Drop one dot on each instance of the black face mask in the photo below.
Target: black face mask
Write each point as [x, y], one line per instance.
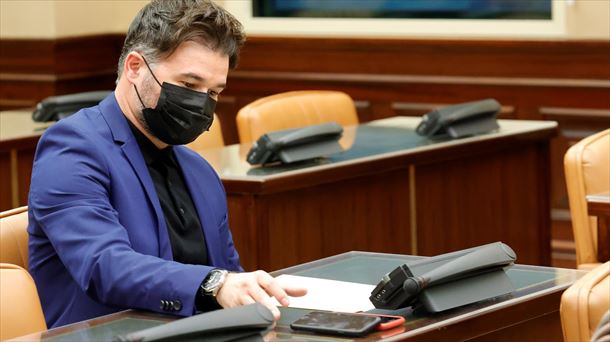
[181, 114]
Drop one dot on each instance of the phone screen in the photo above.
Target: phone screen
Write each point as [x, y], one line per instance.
[336, 323]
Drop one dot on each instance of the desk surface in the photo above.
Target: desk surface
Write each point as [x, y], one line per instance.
[15, 125]
[379, 139]
[599, 204]
[531, 283]
[393, 182]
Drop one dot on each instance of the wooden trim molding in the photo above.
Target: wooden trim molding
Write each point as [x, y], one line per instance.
[434, 79]
[555, 112]
[569, 59]
[32, 69]
[60, 56]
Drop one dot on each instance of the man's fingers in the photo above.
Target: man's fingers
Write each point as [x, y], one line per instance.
[262, 297]
[266, 301]
[246, 300]
[295, 291]
[258, 294]
[271, 306]
[273, 288]
[259, 286]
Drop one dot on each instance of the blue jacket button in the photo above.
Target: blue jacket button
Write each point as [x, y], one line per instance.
[177, 305]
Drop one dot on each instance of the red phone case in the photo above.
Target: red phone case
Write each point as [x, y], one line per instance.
[394, 322]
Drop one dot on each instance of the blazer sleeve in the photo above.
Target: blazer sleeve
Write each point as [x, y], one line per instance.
[70, 202]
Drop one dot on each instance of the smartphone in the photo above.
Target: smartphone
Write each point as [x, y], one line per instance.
[337, 323]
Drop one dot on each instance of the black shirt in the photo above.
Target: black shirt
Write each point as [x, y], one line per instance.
[183, 225]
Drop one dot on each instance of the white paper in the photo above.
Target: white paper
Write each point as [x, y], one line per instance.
[329, 295]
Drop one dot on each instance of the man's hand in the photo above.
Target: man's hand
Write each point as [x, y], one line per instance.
[259, 286]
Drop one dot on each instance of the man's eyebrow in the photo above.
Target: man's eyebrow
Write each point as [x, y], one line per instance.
[201, 79]
[193, 76]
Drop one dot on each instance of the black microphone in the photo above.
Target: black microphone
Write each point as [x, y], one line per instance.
[220, 325]
[400, 288]
[485, 258]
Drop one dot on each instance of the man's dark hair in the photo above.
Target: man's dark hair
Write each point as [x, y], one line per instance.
[162, 25]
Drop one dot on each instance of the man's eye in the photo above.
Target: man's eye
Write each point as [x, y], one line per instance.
[188, 85]
[213, 93]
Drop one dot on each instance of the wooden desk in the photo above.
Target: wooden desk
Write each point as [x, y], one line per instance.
[599, 205]
[394, 192]
[18, 138]
[530, 313]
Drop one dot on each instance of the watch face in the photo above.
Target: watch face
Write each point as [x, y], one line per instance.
[213, 281]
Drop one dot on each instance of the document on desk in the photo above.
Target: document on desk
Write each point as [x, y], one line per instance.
[329, 295]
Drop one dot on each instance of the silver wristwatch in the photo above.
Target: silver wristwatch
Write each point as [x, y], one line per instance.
[213, 282]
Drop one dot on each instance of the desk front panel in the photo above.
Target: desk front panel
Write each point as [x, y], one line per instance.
[393, 191]
[530, 313]
[18, 138]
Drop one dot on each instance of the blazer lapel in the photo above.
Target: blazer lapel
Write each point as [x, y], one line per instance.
[203, 207]
[123, 136]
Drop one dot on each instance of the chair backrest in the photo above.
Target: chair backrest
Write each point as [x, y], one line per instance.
[584, 304]
[292, 110]
[602, 333]
[587, 171]
[19, 303]
[210, 139]
[14, 237]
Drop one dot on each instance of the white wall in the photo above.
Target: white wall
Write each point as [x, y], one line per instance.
[65, 18]
[588, 19]
[27, 19]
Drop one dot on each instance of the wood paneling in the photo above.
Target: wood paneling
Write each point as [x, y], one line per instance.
[285, 228]
[25, 159]
[567, 81]
[32, 69]
[444, 189]
[493, 58]
[6, 198]
[15, 173]
[424, 202]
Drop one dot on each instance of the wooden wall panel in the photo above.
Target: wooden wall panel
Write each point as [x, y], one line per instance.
[386, 77]
[6, 193]
[450, 57]
[296, 226]
[241, 220]
[15, 172]
[499, 187]
[25, 160]
[32, 69]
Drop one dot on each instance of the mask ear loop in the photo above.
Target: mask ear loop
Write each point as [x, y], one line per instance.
[153, 75]
[151, 72]
[139, 98]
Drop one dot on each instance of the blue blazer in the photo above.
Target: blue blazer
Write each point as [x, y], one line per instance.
[98, 240]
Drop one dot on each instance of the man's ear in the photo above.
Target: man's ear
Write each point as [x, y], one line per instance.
[133, 67]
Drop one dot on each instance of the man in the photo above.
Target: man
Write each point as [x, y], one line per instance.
[119, 217]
